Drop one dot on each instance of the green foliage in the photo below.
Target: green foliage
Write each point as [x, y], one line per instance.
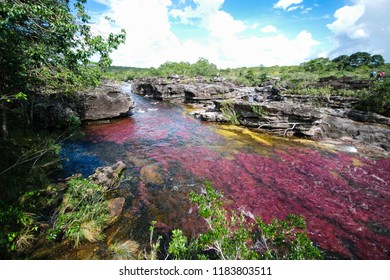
[227, 109]
[320, 65]
[324, 92]
[178, 246]
[128, 250]
[15, 225]
[82, 213]
[154, 246]
[204, 68]
[259, 110]
[377, 98]
[342, 62]
[377, 60]
[232, 236]
[285, 239]
[27, 161]
[358, 59]
[57, 45]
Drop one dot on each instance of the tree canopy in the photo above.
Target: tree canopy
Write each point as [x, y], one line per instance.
[358, 59]
[49, 44]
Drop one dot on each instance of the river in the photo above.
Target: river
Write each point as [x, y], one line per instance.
[344, 196]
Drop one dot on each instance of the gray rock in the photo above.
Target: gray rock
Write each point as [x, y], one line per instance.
[108, 176]
[315, 117]
[105, 102]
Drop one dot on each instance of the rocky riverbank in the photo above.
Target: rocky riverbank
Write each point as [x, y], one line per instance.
[105, 102]
[269, 108]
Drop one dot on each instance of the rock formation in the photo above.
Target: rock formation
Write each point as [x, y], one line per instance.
[267, 108]
[105, 102]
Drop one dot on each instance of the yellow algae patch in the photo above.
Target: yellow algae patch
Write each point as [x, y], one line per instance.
[357, 163]
[234, 131]
[226, 133]
[256, 137]
[231, 127]
[307, 142]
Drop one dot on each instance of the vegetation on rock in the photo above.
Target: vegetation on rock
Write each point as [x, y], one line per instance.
[236, 236]
[83, 212]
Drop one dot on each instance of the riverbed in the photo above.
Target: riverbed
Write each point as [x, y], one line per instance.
[343, 195]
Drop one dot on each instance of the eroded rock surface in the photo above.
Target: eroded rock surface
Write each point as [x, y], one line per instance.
[105, 102]
[108, 176]
[267, 107]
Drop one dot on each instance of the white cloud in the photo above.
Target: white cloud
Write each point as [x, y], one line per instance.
[307, 10]
[346, 18]
[275, 50]
[293, 8]
[362, 26]
[223, 25]
[269, 29]
[284, 4]
[151, 40]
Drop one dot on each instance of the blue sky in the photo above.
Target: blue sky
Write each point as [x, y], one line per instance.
[234, 33]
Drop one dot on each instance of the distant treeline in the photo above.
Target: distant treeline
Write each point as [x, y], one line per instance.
[357, 65]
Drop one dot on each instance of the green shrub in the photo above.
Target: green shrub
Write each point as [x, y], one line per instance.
[17, 229]
[232, 236]
[82, 213]
[377, 99]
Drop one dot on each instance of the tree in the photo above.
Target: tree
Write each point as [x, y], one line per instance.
[360, 59]
[377, 60]
[320, 64]
[204, 68]
[46, 46]
[342, 62]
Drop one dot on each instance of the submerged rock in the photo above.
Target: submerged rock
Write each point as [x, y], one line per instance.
[153, 174]
[115, 206]
[108, 176]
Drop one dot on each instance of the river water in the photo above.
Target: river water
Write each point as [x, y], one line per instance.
[344, 196]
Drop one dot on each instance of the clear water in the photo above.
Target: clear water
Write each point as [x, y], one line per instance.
[344, 197]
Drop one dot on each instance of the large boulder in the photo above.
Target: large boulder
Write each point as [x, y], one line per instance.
[105, 102]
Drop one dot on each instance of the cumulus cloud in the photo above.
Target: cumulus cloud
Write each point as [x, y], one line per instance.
[151, 40]
[362, 26]
[269, 29]
[346, 18]
[274, 50]
[284, 4]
